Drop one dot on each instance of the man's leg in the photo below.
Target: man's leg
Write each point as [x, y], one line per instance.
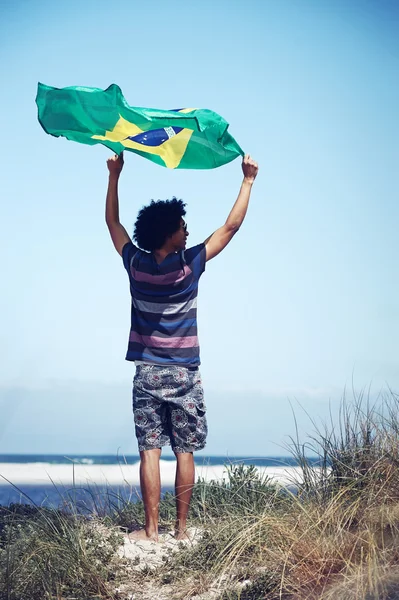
[150, 483]
[185, 477]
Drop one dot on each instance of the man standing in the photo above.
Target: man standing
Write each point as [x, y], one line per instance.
[168, 403]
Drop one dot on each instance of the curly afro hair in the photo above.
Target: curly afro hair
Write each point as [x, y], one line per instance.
[156, 222]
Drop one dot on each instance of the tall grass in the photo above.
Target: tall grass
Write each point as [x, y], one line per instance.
[47, 553]
[336, 538]
[360, 451]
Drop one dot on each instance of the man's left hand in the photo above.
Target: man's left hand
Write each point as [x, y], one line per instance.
[115, 165]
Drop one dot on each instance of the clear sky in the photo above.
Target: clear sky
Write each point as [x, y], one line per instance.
[302, 303]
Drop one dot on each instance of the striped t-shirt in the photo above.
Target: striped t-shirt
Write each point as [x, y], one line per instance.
[164, 305]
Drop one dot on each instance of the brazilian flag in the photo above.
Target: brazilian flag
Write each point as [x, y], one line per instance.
[183, 138]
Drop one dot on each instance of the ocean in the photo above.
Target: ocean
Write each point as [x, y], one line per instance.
[102, 483]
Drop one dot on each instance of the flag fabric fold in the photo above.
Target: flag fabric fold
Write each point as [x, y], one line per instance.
[184, 138]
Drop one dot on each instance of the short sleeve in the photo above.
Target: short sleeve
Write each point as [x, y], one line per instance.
[128, 252]
[195, 258]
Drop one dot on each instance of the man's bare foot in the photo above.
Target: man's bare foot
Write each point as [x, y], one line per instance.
[181, 534]
[141, 535]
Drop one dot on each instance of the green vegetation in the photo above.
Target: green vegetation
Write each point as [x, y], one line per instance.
[50, 554]
[335, 539]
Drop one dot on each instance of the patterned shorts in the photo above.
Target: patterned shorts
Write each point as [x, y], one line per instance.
[168, 408]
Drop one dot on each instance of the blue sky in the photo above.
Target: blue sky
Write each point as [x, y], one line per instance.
[304, 301]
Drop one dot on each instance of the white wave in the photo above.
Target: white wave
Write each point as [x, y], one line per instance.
[86, 474]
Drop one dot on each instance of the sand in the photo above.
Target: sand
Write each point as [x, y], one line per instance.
[144, 553]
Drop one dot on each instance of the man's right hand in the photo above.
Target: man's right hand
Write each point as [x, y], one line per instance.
[249, 168]
[115, 165]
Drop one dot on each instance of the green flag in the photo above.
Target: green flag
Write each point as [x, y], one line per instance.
[184, 138]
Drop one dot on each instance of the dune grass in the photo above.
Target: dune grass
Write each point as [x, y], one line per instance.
[47, 553]
[335, 538]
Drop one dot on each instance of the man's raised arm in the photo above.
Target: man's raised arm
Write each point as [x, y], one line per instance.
[118, 233]
[222, 236]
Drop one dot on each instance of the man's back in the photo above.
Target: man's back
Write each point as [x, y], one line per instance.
[164, 305]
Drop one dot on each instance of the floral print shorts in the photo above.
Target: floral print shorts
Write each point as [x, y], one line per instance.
[168, 408]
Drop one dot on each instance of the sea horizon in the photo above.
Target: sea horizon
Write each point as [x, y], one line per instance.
[115, 459]
[98, 481]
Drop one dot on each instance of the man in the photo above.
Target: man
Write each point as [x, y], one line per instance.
[168, 401]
